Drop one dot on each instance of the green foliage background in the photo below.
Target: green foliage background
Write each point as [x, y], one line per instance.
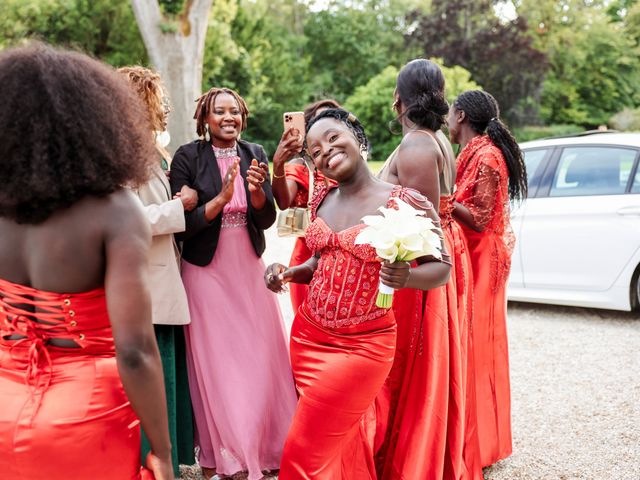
[282, 54]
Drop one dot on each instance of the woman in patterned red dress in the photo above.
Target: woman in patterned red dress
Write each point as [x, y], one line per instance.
[491, 172]
[342, 344]
[290, 184]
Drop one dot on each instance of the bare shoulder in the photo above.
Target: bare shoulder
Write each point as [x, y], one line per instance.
[418, 148]
[119, 213]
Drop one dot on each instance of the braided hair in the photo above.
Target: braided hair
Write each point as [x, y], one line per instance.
[348, 118]
[482, 112]
[205, 104]
[420, 87]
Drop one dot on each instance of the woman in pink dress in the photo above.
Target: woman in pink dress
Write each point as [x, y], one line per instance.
[239, 372]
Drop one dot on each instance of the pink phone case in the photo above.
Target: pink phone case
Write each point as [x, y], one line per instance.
[294, 120]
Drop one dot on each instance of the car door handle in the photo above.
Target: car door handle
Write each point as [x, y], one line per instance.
[632, 210]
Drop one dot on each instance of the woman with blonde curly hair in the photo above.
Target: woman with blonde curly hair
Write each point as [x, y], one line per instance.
[170, 311]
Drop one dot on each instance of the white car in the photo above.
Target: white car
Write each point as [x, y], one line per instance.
[578, 233]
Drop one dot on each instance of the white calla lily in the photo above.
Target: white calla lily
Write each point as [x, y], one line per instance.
[399, 234]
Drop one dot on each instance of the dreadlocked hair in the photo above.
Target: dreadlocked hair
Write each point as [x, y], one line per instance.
[348, 118]
[482, 112]
[311, 110]
[205, 104]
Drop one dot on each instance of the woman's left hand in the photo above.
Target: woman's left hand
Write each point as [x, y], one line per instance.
[256, 175]
[395, 275]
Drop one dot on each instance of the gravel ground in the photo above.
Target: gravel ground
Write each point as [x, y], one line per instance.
[575, 390]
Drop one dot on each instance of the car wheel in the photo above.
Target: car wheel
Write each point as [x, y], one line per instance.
[635, 290]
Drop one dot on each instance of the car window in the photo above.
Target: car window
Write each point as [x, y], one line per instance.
[592, 171]
[532, 159]
[635, 188]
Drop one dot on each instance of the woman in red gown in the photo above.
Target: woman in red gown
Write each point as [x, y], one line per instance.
[290, 184]
[425, 411]
[79, 365]
[491, 172]
[342, 344]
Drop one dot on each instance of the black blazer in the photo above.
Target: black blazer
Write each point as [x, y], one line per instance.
[195, 165]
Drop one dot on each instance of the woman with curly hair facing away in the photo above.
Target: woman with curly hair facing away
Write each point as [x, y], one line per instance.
[168, 299]
[79, 362]
[425, 410]
[342, 343]
[491, 172]
[291, 186]
[239, 372]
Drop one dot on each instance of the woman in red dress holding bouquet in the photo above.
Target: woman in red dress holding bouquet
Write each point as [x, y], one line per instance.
[342, 344]
[290, 184]
[491, 172]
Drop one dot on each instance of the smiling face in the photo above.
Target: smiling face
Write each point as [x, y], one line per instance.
[334, 149]
[225, 121]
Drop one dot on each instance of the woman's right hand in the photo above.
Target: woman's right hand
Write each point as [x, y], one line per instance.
[290, 145]
[276, 276]
[226, 194]
[162, 468]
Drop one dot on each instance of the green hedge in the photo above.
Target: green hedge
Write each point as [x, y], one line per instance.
[533, 132]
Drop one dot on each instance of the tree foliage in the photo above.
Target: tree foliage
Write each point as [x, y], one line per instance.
[594, 67]
[371, 103]
[499, 54]
[104, 28]
[558, 61]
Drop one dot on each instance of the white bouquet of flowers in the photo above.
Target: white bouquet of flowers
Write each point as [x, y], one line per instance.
[399, 235]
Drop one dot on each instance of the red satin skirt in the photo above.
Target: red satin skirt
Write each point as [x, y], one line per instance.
[338, 373]
[83, 428]
[411, 409]
[299, 291]
[462, 455]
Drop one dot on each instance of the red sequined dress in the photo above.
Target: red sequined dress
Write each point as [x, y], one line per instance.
[342, 348]
[482, 187]
[299, 173]
[64, 413]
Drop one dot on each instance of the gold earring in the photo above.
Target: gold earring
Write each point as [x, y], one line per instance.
[207, 136]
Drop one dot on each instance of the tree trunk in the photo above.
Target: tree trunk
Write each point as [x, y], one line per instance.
[177, 54]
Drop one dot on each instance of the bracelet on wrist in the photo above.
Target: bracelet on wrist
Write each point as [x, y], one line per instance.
[284, 174]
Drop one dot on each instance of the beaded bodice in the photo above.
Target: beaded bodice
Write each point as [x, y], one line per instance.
[344, 287]
[234, 213]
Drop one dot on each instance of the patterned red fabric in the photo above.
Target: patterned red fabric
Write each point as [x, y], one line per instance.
[345, 286]
[482, 187]
[299, 173]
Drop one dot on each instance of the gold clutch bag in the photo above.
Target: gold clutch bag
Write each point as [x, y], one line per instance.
[293, 221]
